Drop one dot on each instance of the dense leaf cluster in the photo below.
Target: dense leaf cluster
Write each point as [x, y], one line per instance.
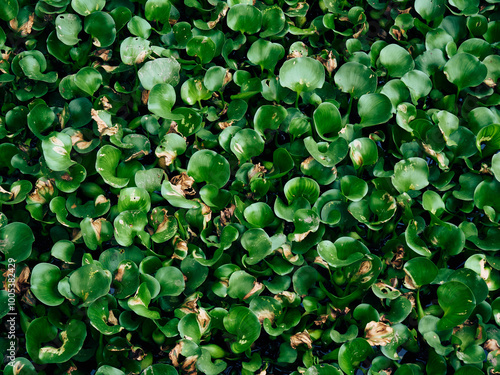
[244, 187]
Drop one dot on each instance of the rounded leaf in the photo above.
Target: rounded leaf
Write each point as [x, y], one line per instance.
[465, 70]
[396, 60]
[355, 79]
[16, 240]
[374, 109]
[44, 280]
[419, 271]
[244, 18]
[242, 323]
[302, 74]
[171, 281]
[210, 167]
[410, 174]
[67, 28]
[327, 121]
[89, 283]
[107, 160]
[457, 301]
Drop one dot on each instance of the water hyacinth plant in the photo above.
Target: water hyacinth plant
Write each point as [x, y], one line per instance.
[250, 187]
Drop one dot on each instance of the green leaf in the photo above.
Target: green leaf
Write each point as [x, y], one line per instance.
[138, 26]
[301, 187]
[9, 10]
[265, 54]
[352, 353]
[25, 366]
[355, 79]
[133, 51]
[244, 325]
[86, 7]
[107, 160]
[67, 28]
[193, 91]
[418, 83]
[161, 100]
[457, 301]
[465, 70]
[269, 117]
[258, 244]
[303, 279]
[419, 272]
[374, 109]
[16, 240]
[140, 303]
[44, 280]
[88, 80]
[410, 174]
[159, 71]
[201, 47]
[363, 151]
[56, 150]
[495, 166]
[259, 214]
[101, 27]
[128, 225]
[215, 78]
[396, 60]
[488, 139]
[100, 315]
[302, 74]
[134, 199]
[210, 167]
[327, 121]
[244, 18]
[171, 281]
[430, 9]
[89, 283]
[246, 143]
[40, 330]
[157, 10]
[327, 154]
[353, 188]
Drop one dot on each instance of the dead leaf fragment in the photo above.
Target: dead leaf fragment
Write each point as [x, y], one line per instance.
[490, 82]
[97, 226]
[257, 170]
[183, 183]
[203, 320]
[108, 68]
[104, 54]
[26, 28]
[299, 237]
[189, 365]
[397, 259]
[256, 288]
[378, 333]
[398, 34]
[491, 345]
[145, 96]
[225, 124]
[227, 214]
[175, 353]
[330, 63]
[102, 127]
[321, 320]
[105, 103]
[409, 282]
[222, 14]
[301, 338]
[3, 191]
[190, 304]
